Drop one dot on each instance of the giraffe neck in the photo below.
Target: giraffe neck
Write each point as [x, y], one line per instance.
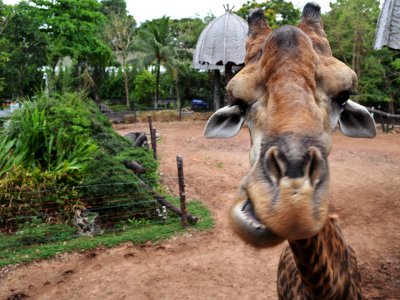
[327, 266]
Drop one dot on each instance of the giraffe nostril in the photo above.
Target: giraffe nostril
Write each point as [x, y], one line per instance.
[315, 166]
[275, 165]
[294, 163]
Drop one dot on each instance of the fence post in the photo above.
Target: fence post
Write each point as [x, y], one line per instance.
[150, 123]
[153, 136]
[182, 195]
[154, 142]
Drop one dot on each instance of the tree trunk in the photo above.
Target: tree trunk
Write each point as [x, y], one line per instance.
[217, 99]
[178, 99]
[157, 84]
[126, 83]
[357, 53]
[391, 104]
[228, 77]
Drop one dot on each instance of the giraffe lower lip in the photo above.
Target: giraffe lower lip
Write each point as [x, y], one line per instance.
[249, 227]
[250, 217]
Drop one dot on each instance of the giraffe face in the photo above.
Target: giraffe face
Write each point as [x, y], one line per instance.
[292, 93]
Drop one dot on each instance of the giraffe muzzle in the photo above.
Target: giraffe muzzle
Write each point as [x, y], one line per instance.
[284, 196]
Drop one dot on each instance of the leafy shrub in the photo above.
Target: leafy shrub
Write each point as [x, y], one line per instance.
[44, 194]
[32, 142]
[144, 87]
[111, 187]
[61, 154]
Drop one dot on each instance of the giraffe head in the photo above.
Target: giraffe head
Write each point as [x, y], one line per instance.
[292, 93]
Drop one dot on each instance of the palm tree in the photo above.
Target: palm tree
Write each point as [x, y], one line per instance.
[156, 46]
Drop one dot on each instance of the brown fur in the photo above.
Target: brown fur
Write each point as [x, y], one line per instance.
[321, 267]
[288, 81]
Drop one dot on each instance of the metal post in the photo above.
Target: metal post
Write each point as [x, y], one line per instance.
[182, 195]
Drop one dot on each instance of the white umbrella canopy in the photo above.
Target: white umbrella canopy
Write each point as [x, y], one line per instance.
[222, 41]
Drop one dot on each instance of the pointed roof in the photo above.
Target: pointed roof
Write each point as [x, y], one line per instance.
[222, 41]
[388, 27]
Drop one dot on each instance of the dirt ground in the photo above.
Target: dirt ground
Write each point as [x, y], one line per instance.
[365, 193]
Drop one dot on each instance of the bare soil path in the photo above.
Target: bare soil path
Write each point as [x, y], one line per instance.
[365, 192]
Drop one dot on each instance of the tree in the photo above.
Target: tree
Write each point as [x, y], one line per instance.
[157, 48]
[185, 32]
[277, 12]
[73, 28]
[350, 27]
[144, 86]
[25, 45]
[114, 7]
[6, 15]
[119, 33]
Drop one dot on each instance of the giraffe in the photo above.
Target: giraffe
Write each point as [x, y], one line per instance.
[292, 93]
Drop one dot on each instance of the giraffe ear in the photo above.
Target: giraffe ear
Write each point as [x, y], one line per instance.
[224, 123]
[356, 121]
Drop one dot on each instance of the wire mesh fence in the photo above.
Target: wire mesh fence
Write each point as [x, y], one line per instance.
[50, 214]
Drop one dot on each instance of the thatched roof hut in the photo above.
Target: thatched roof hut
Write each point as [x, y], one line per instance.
[220, 46]
[388, 27]
[222, 41]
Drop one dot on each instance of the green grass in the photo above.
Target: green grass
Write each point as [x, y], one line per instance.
[136, 235]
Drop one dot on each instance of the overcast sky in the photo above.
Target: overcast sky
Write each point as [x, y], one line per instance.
[143, 10]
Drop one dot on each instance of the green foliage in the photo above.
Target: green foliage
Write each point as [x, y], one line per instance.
[350, 27]
[36, 232]
[74, 28]
[39, 193]
[185, 32]
[25, 46]
[277, 12]
[58, 142]
[117, 7]
[156, 46]
[113, 85]
[144, 87]
[32, 142]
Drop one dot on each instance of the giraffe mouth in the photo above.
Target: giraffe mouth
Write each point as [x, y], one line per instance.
[249, 228]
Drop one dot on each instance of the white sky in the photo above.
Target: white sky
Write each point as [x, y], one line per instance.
[143, 10]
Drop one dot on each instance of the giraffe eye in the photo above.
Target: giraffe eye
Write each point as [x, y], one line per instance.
[343, 96]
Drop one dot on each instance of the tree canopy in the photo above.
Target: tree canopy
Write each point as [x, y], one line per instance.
[108, 50]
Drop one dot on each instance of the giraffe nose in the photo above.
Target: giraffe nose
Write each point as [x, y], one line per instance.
[310, 165]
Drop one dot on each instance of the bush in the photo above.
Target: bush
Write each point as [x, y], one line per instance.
[43, 194]
[144, 87]
[62, 154]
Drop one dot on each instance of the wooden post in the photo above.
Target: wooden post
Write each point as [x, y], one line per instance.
[154, 142]
[182, 195]
[383, 124]
[153, 136]
[150, 126]
[217, 99]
